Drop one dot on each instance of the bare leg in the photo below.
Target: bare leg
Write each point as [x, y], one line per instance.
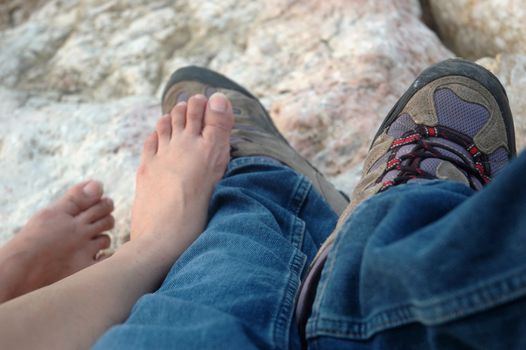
[181, 164]
[58, 241]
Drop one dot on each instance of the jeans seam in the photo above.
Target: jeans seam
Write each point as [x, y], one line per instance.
[240, 162]
[312, 323]
[301, 191]
[489, 295]
[284, 316]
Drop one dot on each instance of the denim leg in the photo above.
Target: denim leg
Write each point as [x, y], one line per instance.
[428, 266]
[235, 287]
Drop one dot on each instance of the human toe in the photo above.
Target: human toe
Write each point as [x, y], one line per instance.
[178, 115]
[195, 114]
[218, 117]
[164, 130]
[104, 224]
[150, 147]
[98, 211]
[97, 244]
[80, 197]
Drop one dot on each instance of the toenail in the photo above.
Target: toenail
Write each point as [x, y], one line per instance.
[91, 189]
[218, 102]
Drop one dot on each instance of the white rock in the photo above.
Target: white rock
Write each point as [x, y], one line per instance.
[47, 146]
[511, 71]
[476, 29]
[78, 79]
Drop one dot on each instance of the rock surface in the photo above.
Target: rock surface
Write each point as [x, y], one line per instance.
[511, 71]
[475, 29]
[48, 144]
[80, 82]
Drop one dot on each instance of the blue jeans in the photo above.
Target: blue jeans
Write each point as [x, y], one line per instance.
[420, 266]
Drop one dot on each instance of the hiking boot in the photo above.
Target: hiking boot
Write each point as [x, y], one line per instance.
[254, 133]
[454, 123]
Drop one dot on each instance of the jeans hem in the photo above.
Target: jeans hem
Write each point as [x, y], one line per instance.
[434, 312]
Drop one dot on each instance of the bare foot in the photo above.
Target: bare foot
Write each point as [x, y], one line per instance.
[181, 163]
[58, 241]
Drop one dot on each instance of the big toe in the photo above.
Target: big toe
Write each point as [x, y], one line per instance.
[81, 197]
[219, 119]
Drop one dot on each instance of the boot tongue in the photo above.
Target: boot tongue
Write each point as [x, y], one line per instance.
[447, 171]
[443, 170]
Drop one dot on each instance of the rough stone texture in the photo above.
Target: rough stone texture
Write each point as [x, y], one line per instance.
[14, 12]
[48, 144]
[80, 81]
[511, 71]
[476, 29]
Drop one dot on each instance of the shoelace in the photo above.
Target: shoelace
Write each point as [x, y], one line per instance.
[409, 164]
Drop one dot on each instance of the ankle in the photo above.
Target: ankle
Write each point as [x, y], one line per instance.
[15, 262]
